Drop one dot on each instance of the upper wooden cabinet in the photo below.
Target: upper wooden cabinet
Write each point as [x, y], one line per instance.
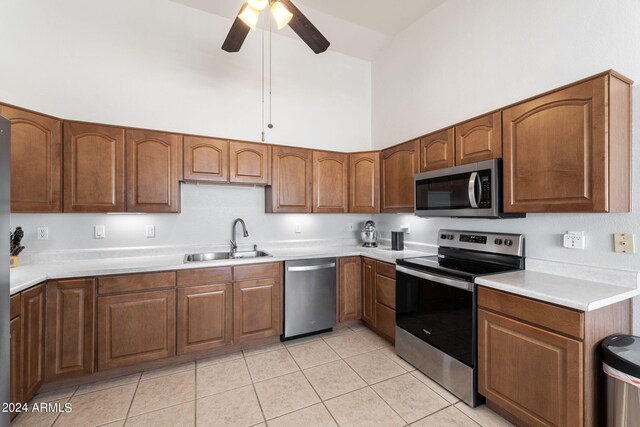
[206, 159]
[70, 328]
[36, 161]
[399, 164]
[437, 150]
[569, 151]
[479, 139]
[93, 168]
[291, 189]
[330, 182]
[249, 163]
[364, 182]
[153, 168]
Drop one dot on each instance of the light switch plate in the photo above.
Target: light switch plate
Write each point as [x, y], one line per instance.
[624, 243]
[574, 240]
[99, 232]
[150, 231]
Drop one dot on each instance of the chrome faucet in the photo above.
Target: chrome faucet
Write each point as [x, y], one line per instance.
[245, 233]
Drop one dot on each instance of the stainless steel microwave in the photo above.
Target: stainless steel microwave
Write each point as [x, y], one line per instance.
[473, 190]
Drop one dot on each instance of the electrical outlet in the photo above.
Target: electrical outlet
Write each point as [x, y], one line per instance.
[624, 243]
[99, 232]
[574, 240]
[43, 233]
[151, 231]
[298, 227]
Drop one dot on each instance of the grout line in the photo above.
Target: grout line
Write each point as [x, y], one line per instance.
[253, 385]
[195, 393]
[132, 399]
[75, 394]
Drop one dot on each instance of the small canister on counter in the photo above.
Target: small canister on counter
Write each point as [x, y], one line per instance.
[397, 240]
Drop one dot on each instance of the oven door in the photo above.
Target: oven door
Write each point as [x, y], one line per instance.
[438, 310]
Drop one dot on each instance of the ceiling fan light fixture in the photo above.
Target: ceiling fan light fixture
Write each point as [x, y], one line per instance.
[249, 16]
[281, 14]
[258, 5]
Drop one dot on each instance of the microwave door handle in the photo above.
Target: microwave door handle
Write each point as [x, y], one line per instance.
[472, 190]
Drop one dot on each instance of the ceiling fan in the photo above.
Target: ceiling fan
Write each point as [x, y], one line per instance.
[285, 13]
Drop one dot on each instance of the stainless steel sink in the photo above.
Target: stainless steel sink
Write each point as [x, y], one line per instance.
[217, 256]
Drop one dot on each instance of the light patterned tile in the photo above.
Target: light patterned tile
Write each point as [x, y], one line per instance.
[373, 339]
[302, 340]
[316, 416]
[348, 344]
[219, 359]
[38, 419]
[271, 364]
[363, 408]
[281, 395]
[221, 377]
[162, 392]
[483, 415]
[103, 385]
[409, 397]
[168, 370]
[100, 407]
[114, 424]
[448, 417]
[55, 395]
[182, 415]
[333, 379]
[237, 407]
[313, 354]
[390, 352]
[263, 349]
[374, 367]
[446, 395]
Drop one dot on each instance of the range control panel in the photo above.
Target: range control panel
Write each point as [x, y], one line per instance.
[511, 244]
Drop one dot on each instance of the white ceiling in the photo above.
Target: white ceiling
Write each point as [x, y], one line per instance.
[358, 28]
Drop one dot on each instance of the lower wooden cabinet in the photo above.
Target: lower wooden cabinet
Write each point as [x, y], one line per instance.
[386, 321]
[349, 288]
[33, 330]
[257, 309]
[15, 363]
[369, 291]
[70, 328]
[136, 328]
[205, 317]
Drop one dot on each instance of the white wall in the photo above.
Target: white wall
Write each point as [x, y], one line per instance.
[468, 57]
[158, 64]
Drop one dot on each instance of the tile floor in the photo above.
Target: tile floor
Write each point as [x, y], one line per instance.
[349, 377]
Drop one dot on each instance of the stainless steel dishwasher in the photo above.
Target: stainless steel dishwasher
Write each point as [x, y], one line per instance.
[309, 296]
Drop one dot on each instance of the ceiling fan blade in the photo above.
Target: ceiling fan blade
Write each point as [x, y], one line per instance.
[306, 30]
[236, 36]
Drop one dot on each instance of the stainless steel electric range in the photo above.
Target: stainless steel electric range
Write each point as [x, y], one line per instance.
[436, 306]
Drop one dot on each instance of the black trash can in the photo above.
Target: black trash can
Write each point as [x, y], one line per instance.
[621, 363]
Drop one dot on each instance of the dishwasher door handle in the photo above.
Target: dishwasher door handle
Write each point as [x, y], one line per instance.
[312, 267]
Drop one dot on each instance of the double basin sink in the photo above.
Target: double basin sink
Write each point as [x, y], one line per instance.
[219, 256]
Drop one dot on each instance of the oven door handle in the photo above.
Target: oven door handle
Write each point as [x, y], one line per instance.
[460, 284]
[472, 190]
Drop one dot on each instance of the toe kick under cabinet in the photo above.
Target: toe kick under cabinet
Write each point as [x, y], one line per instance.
[538, 363]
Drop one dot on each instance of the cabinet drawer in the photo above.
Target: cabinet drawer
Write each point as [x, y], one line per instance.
[386, 291]
[385, 269]
[136, 282]
[14, 303]
[204, 276]
[548, 316]
[386, 321]
[256, 271]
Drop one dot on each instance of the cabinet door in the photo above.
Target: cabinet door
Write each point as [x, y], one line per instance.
[399, 164]
[364, 182]
[257, 309]
[349, 288]
[153, 171]
[33, 312]
[386, 321]
[555, 152]
[479, 139]
[369, 291]
[437, 150]
[136, 328]
[205, 317]
[291, 189]
[532, 373]
[206, 159]
[249, 163]
[93, 168]
[15, 362]
[330, 182]
[70, 328]
[36, 161]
